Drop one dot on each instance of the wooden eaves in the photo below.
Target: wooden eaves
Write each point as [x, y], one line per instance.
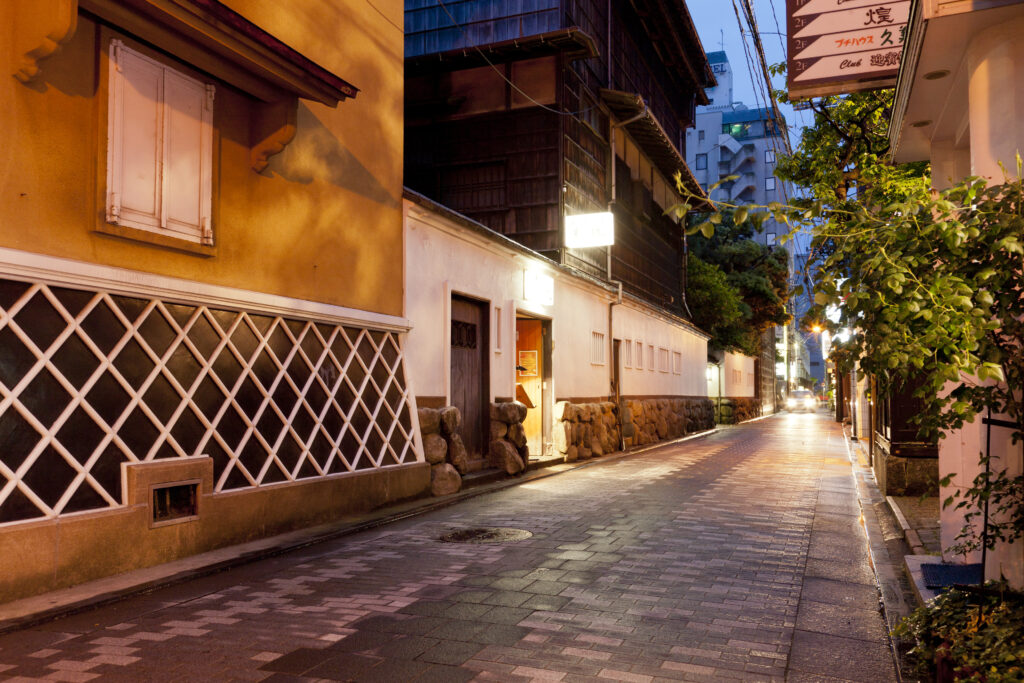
[655, 143]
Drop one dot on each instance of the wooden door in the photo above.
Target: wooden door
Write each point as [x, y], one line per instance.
[469, 379]
[530, 377]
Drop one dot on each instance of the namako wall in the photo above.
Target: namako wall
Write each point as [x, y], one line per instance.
[257, 380]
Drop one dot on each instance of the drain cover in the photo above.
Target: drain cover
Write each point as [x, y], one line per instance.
[489, 534]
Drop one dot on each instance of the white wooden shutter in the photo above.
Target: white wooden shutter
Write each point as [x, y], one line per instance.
[160, 147]
[187, 154]
[133, 153]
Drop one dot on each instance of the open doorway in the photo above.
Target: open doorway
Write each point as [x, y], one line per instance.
[533, 381]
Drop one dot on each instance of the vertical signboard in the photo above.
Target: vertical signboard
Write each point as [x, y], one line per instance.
[842, 46]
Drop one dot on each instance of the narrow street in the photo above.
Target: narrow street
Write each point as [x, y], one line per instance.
[739, 556]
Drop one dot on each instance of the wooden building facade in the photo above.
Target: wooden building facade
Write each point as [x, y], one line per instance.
[517, 118]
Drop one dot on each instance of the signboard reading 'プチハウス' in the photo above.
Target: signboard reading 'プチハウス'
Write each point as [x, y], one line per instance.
[841, 46]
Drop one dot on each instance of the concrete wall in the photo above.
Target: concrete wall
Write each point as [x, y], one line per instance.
[58, 553]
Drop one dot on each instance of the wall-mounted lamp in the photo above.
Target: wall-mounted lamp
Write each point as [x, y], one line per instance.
[538, 288]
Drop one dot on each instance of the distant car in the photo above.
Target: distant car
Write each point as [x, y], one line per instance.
[801, 400]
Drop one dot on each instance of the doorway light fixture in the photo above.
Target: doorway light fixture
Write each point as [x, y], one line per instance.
[538, 287]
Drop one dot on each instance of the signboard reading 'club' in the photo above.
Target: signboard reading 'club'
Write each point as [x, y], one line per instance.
[841, 46]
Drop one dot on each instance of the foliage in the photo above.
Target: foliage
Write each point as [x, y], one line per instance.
[736, 288]
[841, 160]
[978, 633]
[759, 273]
[933, 289]
[717, 307]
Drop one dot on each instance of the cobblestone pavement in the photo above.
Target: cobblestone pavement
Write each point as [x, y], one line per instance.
[737, 556]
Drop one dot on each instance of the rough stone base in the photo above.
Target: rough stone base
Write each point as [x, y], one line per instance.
[730, 411]
[647, 421]
[899, 476]
[585, 430]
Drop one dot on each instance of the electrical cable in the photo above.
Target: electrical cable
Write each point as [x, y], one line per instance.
[386, 18]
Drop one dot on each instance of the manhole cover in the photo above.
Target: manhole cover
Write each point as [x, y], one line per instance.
[490, 534]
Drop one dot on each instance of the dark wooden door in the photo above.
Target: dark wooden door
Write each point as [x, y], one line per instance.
[469, 381]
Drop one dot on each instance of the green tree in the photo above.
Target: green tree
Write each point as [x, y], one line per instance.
[759, 273]
[717, 307]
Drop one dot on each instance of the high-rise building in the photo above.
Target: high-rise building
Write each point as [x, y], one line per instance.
[731, 140]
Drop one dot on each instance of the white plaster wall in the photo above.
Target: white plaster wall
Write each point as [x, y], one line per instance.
[439, 264]
[442, 258]
[737, 376]
[685, 377]
[580, 310]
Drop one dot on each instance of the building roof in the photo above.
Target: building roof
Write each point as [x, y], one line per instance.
[572, 42]
[717, 57]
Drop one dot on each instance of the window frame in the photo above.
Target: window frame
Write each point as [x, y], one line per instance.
[697, 162]
[773, 181]
[769, 156]
[598, 347]
[110, 221]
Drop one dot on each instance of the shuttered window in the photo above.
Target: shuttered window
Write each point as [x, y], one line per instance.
[160, 148]
[597, 347]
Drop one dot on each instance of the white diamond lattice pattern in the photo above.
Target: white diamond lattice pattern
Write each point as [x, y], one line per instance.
[90, 379]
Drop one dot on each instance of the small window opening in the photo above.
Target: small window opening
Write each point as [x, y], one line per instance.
[175, 502]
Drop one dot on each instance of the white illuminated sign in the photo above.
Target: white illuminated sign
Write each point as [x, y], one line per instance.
[538, 288]
[590, 230]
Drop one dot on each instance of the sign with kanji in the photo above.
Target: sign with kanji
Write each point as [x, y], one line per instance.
[842, 46]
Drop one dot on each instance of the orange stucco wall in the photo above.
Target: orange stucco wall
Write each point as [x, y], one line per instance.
[322, 222]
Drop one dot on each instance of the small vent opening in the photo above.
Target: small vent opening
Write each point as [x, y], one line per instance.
[175, 502]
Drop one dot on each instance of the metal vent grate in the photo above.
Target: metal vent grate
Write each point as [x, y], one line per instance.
[89, 380]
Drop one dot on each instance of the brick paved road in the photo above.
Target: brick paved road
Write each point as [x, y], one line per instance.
[734, 557]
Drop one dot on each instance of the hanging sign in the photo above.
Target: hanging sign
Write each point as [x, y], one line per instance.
[842, 46]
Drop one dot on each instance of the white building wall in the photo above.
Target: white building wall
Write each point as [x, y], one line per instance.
[738, 376]
[580, 311]
[687, 355]
[443, 257]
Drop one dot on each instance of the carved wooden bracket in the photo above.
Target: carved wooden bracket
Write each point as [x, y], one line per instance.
[42, 27]
[273, 127]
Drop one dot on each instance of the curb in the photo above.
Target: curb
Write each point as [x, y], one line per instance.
[886, 568]
[909, 533]
[31, 611]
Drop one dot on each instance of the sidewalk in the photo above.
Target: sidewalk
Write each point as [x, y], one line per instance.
[887, 539]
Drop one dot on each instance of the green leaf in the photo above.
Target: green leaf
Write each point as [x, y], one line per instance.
[707, 229]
